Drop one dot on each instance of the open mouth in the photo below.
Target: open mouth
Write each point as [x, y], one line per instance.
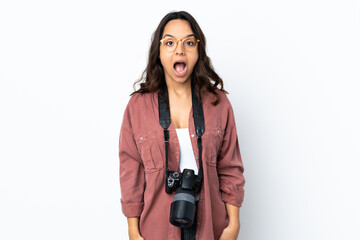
[180, 69]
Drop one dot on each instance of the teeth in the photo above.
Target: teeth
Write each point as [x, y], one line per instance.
[178, 62]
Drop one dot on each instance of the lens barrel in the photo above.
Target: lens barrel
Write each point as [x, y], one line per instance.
[183, 208]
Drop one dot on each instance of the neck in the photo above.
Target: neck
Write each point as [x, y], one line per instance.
[179, 90]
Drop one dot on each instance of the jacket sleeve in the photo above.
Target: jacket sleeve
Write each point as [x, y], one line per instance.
[132, 176]
[229, 166]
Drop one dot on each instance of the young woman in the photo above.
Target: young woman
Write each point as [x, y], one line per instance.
[177, 64]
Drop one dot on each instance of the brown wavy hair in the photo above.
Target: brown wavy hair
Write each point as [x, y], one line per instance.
[203, 72]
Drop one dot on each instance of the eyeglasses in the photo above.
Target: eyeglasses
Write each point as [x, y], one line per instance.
[170, 44]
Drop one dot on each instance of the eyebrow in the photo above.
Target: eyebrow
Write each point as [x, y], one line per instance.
[185, 36]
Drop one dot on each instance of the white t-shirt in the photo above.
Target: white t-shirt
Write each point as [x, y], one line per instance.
[187, 158]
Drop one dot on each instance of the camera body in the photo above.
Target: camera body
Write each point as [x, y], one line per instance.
[183, 207]
[172, 181]
[185, 180]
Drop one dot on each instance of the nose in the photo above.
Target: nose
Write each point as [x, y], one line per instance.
[179, 48]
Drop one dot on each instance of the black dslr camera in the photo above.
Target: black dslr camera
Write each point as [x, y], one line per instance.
[183, 207]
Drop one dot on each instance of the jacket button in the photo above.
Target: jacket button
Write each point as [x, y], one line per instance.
[192, 135]
[218, 131]
[141, 138]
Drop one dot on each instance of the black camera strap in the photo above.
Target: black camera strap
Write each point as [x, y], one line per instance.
[165, 121]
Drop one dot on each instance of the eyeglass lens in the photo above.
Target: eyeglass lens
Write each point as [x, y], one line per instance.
[189, 44]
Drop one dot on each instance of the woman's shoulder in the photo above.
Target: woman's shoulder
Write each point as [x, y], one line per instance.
[138, 105]
[224, 100]
[140, 99]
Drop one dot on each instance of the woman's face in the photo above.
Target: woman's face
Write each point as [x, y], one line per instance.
[179, 64]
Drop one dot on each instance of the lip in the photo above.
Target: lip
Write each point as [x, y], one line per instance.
[183, 72]
[179, 60]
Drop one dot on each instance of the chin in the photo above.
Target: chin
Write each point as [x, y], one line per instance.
[178, 79]
[181, 80]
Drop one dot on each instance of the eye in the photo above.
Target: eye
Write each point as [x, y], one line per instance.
[190, 42]
[169, 43]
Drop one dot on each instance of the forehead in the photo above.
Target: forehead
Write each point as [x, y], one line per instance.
[178, 28]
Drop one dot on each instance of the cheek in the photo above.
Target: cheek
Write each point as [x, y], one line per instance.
[164, 59]
[193, 60]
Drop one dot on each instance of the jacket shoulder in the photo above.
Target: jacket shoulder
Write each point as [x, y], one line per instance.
[138, 104]
[224, 100]
[139, 99]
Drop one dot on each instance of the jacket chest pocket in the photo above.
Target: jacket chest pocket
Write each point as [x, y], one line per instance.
[213, 141]
[149, 151]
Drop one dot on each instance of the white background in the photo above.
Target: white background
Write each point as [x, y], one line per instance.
[292, 71]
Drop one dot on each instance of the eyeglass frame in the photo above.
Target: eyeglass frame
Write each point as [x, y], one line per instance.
[182, 42]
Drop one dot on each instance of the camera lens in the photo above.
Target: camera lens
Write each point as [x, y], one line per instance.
[181, 221]
[183, 208]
